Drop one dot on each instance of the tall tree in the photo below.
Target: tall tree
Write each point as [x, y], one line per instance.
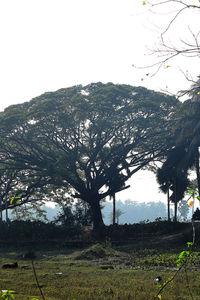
[173, 176]
[93, 138]
[185, 155]
[187, 130]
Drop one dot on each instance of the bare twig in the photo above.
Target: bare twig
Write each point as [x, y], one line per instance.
[36, 279]
[166, 51]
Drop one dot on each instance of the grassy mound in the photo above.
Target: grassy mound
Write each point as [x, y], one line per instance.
[96, 251]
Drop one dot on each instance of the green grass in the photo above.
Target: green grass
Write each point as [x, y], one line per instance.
[126, 274]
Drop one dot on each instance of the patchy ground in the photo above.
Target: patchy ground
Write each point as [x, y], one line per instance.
[98, 272]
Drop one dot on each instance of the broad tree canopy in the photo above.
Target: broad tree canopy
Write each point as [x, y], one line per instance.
[93, 138]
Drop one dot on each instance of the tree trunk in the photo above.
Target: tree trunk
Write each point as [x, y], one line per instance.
[114, 209]
[0, 209]
[98, 224]
[168, 206]
[6, 212]
[197, 170]
[175, 211]
[175, 201]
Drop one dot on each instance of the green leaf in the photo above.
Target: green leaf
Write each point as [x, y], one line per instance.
[6, 295]
[192, 192]
[189, 244]
[14, 199]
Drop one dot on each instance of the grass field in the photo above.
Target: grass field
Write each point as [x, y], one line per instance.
[118, 273]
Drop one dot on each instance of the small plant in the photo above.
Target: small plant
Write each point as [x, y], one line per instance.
[7, 295]
[184, 255]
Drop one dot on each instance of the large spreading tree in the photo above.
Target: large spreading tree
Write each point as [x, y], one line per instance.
[92, 138]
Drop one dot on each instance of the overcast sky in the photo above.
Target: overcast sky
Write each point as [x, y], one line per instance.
[51, 44]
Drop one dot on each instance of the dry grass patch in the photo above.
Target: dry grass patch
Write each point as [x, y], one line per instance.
[96, 251]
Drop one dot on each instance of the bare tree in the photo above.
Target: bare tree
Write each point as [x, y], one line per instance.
[175, 39]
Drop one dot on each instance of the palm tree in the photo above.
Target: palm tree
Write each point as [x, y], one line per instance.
[185, 154]
[118, 213]
[172, 176]
[187, 129]
[163, 180]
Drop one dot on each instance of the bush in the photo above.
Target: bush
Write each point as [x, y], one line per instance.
[36, 231]
[133, 231]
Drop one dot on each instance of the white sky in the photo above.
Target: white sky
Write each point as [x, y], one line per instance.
[51, 44]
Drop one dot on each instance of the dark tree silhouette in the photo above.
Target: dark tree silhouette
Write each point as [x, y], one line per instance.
[172, 176]
[92, 138]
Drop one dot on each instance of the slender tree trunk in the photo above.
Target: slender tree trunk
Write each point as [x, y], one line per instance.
[197, 169]
[168, 206]
[114, 209]
[98, 224]
[6, 212]
[175, 202]
[0, 210]
[175, 211]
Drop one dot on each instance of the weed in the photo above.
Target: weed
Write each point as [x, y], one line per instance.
[7, 295]
[184, 256]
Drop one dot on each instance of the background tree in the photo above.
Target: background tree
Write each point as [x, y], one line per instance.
[28, 212]
[118, 213]
[92, 138]
[24, 191]
[173, 176]
[83, 213]
[186, 131]
[183, 209]
[65, 216]
[185, 155]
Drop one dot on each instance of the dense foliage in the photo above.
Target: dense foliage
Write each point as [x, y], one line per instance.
[184, 157]
[89, 140]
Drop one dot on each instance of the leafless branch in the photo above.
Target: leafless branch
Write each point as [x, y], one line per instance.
[166, 51]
